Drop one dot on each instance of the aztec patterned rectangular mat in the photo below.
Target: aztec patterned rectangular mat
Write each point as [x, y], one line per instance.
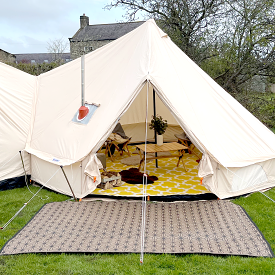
[212, 227]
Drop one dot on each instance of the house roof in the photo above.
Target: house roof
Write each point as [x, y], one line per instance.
[104, 31]
[39, 57]
[7, 52]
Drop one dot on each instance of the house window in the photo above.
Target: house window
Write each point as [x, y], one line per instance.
[88, 49]
[46, 61]
[33, 61]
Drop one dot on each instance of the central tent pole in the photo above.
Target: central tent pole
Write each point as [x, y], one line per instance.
[154, 105]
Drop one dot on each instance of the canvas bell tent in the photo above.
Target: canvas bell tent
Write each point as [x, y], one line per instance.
[16, 98]
[238, 150]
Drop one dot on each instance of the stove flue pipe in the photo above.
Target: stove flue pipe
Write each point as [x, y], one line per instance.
[83, 80]
[83, 110]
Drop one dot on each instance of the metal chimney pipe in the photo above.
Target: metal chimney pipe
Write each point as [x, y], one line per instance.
[83, 110]
[83, 80]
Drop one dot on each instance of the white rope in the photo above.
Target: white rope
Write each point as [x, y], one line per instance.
[14, 216]
[24, 171]
[26, 181]
[267, 196]
[144, 187]
[25, 204]
[227, 169]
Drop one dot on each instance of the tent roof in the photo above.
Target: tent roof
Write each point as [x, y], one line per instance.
[16, 99]
[115, 74]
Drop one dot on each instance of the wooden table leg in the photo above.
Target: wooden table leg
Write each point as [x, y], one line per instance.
[193, 152]
[142, 157]
[141, 163]
[108, 148]
[181, 153]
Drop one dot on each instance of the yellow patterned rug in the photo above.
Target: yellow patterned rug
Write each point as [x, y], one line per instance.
[172, 180]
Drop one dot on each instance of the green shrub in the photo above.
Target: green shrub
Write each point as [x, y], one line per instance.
[35, 69]
[261, 105]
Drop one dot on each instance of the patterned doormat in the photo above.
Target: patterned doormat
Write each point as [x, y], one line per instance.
[214, 227]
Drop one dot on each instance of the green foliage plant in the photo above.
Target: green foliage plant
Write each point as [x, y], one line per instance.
[261, 105]
[35, 69]
[158, 124]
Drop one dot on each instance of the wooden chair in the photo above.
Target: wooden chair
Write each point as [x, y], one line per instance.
[184, 140]
[115, 140]
[124, 147]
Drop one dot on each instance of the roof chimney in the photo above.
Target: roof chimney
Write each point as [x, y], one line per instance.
[84, 21]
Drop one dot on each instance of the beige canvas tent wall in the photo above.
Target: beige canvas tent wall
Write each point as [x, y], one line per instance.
[238, 150]
[133, 121]
[16, 98]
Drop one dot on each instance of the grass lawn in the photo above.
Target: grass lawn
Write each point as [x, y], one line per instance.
[260, 209]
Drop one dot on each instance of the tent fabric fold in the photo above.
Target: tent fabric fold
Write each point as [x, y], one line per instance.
[116, 77]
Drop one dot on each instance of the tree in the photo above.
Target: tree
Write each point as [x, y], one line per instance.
[248, 47]
[232, 40]
[190, 23]
[57, 48]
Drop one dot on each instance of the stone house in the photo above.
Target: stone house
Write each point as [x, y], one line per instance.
[91, 37]
[39, 58]
[6, 57]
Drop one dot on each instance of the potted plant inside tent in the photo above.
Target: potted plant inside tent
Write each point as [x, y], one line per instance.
[159, 125]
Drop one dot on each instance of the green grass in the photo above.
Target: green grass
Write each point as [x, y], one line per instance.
[260, 209]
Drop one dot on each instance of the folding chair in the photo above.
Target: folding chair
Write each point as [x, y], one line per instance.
[115, 139]
[184, 140]
[124, 147]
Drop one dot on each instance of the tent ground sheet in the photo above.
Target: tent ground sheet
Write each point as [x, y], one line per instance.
[172, 180]
[214, 227]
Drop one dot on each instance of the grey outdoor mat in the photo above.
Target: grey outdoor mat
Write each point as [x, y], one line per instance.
[215, 227]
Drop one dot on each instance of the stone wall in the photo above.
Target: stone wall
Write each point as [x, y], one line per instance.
[256, 84]
[6, 57]
[271, 88]
[79, 48]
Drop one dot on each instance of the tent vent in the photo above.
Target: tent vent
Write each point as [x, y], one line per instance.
[84, 114]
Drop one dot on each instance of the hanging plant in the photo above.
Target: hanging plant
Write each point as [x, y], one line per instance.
[158, 124]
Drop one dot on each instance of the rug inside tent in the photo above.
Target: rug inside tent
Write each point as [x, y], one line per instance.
[208, 227]
[172, 180]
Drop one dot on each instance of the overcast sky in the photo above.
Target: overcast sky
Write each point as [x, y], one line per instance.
[26, 26]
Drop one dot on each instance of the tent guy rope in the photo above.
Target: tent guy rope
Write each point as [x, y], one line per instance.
[25, 204]
[267, 196]
[26, 178]
[144, 186]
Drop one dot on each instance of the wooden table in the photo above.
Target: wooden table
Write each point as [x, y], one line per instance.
[166, 147]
